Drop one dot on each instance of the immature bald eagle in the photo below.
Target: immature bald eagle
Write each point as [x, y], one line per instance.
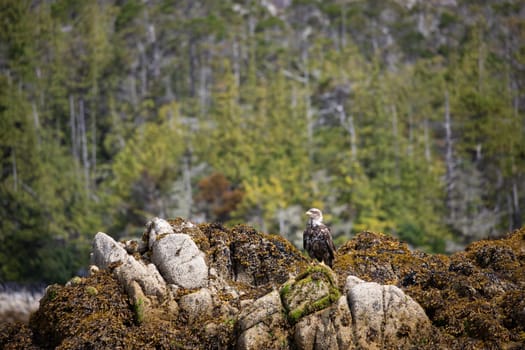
[317, 240]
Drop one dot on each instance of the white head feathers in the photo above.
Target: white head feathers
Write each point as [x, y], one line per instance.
[316, 216]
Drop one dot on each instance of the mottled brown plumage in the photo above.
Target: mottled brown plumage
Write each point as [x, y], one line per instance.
[317, 239]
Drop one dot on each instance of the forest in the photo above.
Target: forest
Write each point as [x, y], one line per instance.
[401, 116]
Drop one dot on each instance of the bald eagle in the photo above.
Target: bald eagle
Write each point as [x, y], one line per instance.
[317, 240]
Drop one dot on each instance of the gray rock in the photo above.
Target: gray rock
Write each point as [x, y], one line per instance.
[352, 281]
[147, 276]
[406, 323]
[261, 324]
[156, 227]
[328, 329]
[197, 305]
[259, 310]
[106, 251]
[261, 336]
[385, 317]
[180, 261]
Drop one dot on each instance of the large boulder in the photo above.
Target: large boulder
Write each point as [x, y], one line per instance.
[180, 261]
[385, 317]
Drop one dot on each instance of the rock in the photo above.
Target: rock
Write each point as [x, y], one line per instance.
[385, 317]
[250, 258]
[147, 276]
[329, 329]
[155, 228]
[261, 336]
[93, 269]
[352, 281]
[107, 251]
[133, 246]
[256, 291]
[259, 310]
[261, 324]
[197, 305]
[180, 261]
[312, 290]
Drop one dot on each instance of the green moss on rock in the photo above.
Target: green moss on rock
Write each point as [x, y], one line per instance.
[312, 290]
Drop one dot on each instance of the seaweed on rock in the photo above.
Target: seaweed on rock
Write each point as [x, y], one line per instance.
[474, 299]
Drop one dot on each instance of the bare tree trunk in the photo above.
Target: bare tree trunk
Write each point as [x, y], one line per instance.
[133, 89]
[203, 87]
[343, 27]
[236, 62]
[410, 147]
[169, 96]
[281, 216]
[37, 123]
[156, 60]
[308, 102]
[516, 212]
[143, 70]
[449, 157]
[347, 122]
[428, 156]
[73, 124]
[192, 63]
[186, 179]
[395, 134]
[93, 143]
[83, 138]
[15, 172]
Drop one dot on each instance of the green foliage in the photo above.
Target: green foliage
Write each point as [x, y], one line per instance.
[328, 104]
[128, 12]
[145, 169]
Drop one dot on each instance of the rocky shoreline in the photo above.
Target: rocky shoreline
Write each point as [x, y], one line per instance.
[187, 286]
[18, 302]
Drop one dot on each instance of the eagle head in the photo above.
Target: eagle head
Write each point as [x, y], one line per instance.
[316, 216]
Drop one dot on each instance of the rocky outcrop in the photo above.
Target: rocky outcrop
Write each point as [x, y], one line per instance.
[385, 317]
[210, 287]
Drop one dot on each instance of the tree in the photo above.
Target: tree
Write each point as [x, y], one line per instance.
[144, 172]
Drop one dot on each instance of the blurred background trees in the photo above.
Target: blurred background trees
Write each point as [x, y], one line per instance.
[405, 117]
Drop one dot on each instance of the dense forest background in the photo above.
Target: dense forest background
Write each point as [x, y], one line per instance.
[405, 117]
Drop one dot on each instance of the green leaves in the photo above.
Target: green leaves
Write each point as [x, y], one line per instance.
[110, 113]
